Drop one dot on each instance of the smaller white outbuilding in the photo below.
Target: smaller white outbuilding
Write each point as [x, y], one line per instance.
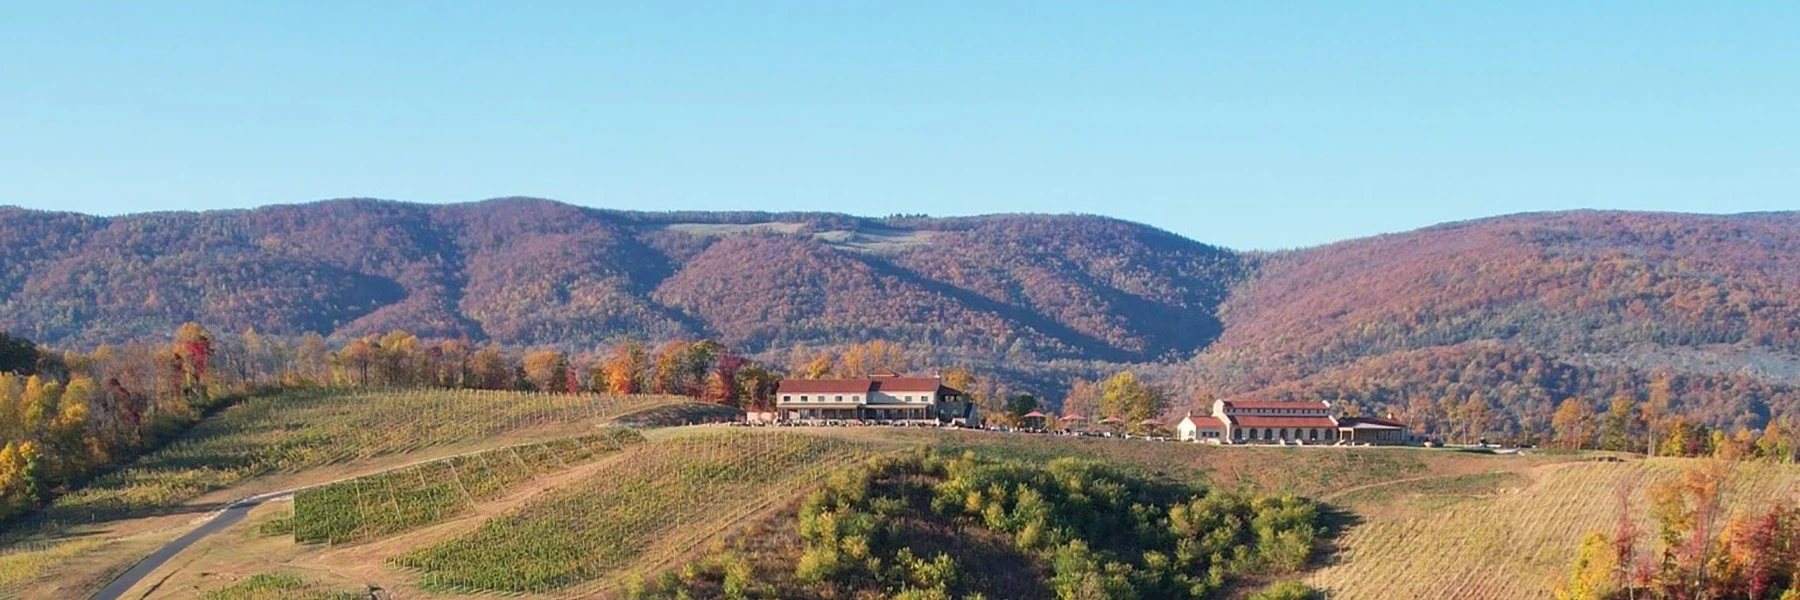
[1200, 429]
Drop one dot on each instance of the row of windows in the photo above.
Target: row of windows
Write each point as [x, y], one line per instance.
[790, 398]
[1278, 411]
[1282, 434]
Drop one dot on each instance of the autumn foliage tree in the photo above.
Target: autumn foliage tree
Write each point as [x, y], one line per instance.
[1574, 424]
[626, 369]
[1698, 551]
[548, 370]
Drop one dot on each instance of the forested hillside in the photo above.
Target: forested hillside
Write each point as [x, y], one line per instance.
[1578, 283]
[1529, 310]
[533, 272]
[1487, 327]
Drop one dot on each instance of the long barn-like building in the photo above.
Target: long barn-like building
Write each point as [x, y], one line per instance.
[1281, 422]
[880, 397]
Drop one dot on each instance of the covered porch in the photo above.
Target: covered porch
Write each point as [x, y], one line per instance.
[859, 413]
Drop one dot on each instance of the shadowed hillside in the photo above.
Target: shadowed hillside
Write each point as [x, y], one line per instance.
[1562, 283]
[536, 272]
[1497, 321]
[1593, 304]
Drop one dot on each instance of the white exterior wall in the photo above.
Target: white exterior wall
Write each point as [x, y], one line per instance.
[928, 401]
[900, 398]
[818, 399]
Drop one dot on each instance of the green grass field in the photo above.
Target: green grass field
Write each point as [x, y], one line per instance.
[280, 586]
[663, 496]
[417, 496]
[289, 436]
[1414, 522]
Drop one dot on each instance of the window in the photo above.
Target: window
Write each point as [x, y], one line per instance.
[840, 399]
[787, 398]
[803, 398]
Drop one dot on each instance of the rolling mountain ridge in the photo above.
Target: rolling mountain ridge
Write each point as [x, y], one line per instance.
[1601, 292]
[533, 272]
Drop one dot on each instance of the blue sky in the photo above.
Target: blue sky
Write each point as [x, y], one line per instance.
[1246, 124]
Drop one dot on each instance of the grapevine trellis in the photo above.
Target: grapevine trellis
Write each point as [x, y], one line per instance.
[665, 497]
[291, 432]
[419, 495]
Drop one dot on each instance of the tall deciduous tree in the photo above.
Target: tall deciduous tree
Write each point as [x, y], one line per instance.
[194, 346]
[1124, 396]
[548, 370]
[626, 368]
[489, 370]
[1083, 399]
[867, 358]
[1574, 424]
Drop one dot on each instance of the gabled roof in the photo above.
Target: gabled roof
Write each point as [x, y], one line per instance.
[866, 385]
[1370, 423]
[1279, 421]
[1204, 422]
[1277, 404]
[826, 386]
[912, 384]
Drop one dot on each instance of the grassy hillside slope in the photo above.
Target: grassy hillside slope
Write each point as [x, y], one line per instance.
[577, 519]
[1511, 534]
[267, 444]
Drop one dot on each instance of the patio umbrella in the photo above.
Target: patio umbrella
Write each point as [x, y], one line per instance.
[1112, 421]
[1151, 423]
[1034, 415]
[1074, 418]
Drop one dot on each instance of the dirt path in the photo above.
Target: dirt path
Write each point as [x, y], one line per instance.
[367, 561]
[214, 523]
[1367, 486]
[235, 513]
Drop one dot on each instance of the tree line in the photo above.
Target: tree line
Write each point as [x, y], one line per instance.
[1694, 550]
[68, 416]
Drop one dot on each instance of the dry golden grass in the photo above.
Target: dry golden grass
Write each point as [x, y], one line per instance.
[269, 443]
[1505, 536]
[1420, 523]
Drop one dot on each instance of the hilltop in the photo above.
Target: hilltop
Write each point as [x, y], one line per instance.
[534, 272]
[1589, 304]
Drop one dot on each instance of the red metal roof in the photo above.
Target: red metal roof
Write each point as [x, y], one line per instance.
[1277, 404]
[1278, 421]
[867, 385]
[826, 386]
[1205, 422]
[1371, 421]
[909, 384]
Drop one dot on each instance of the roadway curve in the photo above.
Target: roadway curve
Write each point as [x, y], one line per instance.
[231, 515]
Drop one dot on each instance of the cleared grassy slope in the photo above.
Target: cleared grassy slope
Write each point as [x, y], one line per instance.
[662, 499]
[270, 443]
[1415, 522]
[1510, 535]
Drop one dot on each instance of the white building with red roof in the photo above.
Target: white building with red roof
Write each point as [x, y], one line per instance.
[881, 397]
[1271, 422]
[1200, 429]
[1252, 421]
